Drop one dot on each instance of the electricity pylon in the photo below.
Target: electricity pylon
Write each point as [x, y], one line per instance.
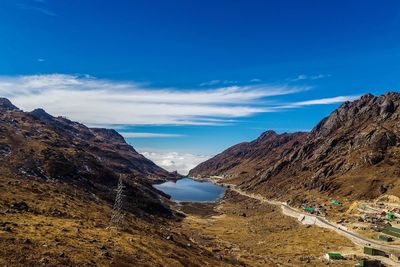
[117, 214]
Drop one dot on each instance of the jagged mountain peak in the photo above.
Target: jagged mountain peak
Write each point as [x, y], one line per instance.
[41, 114]
[267, 135]
[367, 108]
[5, 104]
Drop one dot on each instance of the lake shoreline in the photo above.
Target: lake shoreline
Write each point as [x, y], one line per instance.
[192, 190]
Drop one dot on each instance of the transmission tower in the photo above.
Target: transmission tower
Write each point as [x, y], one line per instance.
[117, 214]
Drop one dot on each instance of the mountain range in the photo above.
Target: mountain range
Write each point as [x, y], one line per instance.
[58, 181]
[58, 185]
[352, 153]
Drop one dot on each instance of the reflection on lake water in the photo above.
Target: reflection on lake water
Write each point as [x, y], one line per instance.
[189, 190]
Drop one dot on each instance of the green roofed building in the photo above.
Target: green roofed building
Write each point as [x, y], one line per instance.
[385, 238]
[308, 209]
[333, 256]
[391, 231]
[390, 216]
[374, 251]
[369, 263]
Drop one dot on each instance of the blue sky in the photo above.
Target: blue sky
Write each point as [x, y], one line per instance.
[194, 77]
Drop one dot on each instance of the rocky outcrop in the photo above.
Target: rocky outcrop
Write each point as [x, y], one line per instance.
[354, 152]
[6, 104]
[42, 115]
[108, 134]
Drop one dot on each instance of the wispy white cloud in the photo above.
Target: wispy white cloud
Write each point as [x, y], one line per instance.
[114, 103]
[322, 101]
[42, 10]
[148, 135]
[209, 83]
[229, 82]
[255, 80]
[320, 76]
[174, 161]
[215, 82]
[300, 77]
[40, 60]
[310, 77]
[98, 101]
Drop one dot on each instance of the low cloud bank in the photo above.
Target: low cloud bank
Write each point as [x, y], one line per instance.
[174, 161]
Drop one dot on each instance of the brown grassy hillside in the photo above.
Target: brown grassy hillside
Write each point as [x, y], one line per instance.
[58, 182]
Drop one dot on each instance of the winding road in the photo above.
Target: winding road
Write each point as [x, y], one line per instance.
[321, 222]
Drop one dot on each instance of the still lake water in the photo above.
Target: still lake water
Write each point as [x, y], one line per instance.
[189, 190]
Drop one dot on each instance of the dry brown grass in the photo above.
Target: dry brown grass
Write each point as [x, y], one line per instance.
[65, 226]
[264, 237]
[77, 236]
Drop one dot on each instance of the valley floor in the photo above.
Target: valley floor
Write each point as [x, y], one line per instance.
[258, 234]
[55, 224]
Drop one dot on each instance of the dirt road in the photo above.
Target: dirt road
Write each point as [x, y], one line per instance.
[321, 222]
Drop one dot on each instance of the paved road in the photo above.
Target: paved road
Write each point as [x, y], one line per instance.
[321, 222]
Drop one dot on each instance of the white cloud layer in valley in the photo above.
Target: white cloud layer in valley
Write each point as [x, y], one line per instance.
[174, 161]
[148, 135]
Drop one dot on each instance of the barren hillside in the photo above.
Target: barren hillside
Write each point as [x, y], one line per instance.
[354, 152]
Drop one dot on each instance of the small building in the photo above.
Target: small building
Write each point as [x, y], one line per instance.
[309, 209]
[395, 257]
[333, 256]
[374, 251]
[390, 216]
[385, 238]
[369, 263]
[391, 231]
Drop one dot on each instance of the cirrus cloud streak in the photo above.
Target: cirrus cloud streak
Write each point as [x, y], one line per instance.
[322, 101]
[148, 135]
[99, 101]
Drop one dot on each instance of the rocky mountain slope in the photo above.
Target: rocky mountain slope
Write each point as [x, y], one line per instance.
[58, 182]
[38, 145]
[249, 159]
[353, 153]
